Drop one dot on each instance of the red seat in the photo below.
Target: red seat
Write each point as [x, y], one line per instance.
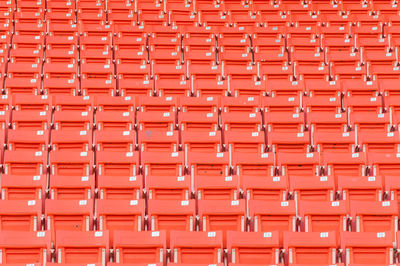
[304, 164]
[115, 141]
[315, 188]
[23, 187]
[21, 215]
[218, 188]
[72, 187]
[168, 187]
[121, 187]
[25, 140]
[71, 163]
[71, 140]
[25, 163]
[360, 187]
[272, 188]
[112, 163]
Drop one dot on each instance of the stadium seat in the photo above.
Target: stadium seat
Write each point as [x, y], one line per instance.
[140, 247]
[111, 163]
[168, 187]
[23, 187]
[196, 247]
[71, 140]
[218, 188]
[360, 187]
[25, 163]
[21, 215]
[274, 188]
[120, 187]
[71, 163]
[72, 187]
[114, 141]
[315, 188]
[304, 164]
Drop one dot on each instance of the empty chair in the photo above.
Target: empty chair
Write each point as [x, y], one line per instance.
[21, 215]
[168, 187]
[23, 187]
[360, 187]
[274, 188]
[317, 188]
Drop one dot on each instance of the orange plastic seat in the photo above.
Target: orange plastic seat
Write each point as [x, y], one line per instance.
[21, 215]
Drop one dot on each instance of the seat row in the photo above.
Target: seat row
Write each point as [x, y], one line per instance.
[200, 248]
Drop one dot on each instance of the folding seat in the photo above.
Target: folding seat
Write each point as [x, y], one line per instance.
[181, 13]
[59, 12]
[298, 164]
[171, 215]
[120, 12]
[196, 247]
[241, 114]
[314, 188]
[212, 17]
[253, 164]
[156, 121]
[283, 122]
[67, 120]
[347, 164]
[360, 188]
[267, 216]
[21, 215]
[97, 80]
[367, 115]
[111, 163]
[309, 247]
[323, 216]
[115, 121]
[209, 84]
[114, 141]
[198, 122]
[162, 164]
[334, 142]
[253, 248]
[245, 142]
[71, 215]
[140, 247]
[168, 187]
[152, 15]
[25, 247]
[23, 140]
[272, 188]
[66, 73]
[120, 188]
[25, 163]
[71, 140]
[31, 120]
[383, 164]
[231, 212]
[204, 164]
[219, 188]
[73, 103]
[125, 215]
[157, 104]
[82, 247]
[199, 104]
[72, 187]
[374, 216]
[153, 141]
[379, 142]
[170, 79]
[23, 78]
[71, 163]
[358, 87]
[357, 247]
[114, 104]
[91, 12]
[391, 101]
[23, 187]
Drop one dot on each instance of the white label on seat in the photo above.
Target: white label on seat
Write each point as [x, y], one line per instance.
[276, 179]
[174, 154]
[299, 135]
[264, 155]
[82, 202]
[234, 202]
[106, 66]
[40, 234]
[380, 234]
[139, 53]
[381, 115]
[254, 134]
[388, 54]
[295, 115]
[250, 99]
[2, 113]
[346, 134]
[332, 82]
[214, 68]
[390, 134]
[38, 153]
[127, 98]
[323, 178]
[212, 133]
[291, 99]
[208, 54]
[166, 114]
[310, 155]
[42, 113]
[333, 99]
[31, 202]
[267, 234]
[324, 234]
[139, 39]
[129, 154]
[181, 178]
[170, 133]
[36, 177]
[145, 82]
[220, 155]
[211, 234]
[83, 132]
[335, 203]
[352, 54]
[84, 178]
[373, 99]
[98, 234]
[210, 114]
[249, 68]
[369, 83]
[397, 155]
[4, 96]
[133, 202]
[257, 83]
[209, 99]
[184, 203]
[126, 133]
[34, 65]
[385, 203]
[103, 38]
[40, 132]
[374, 28]
[174, 54]
[244, 55]
[83, 153]
[142, 66]
[284, 203]
[371, 178]
[228, 178]
[395, 68]
[71, 81]
[44, 97]
[341, 28]
[347, 40]
[252, 115]
[84, 113]
[220, 83]
[132, 178]
[70, 65]
[355, 155]
[125, 114]
[338, 115]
